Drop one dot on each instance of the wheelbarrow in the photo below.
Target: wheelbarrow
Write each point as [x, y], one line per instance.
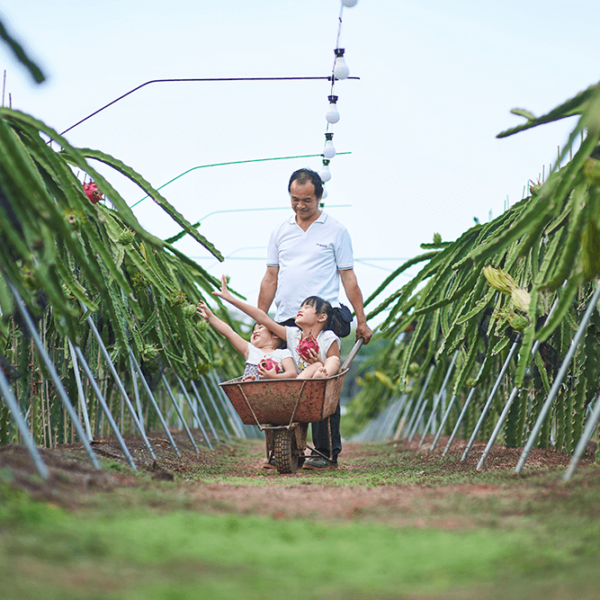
[283, 408]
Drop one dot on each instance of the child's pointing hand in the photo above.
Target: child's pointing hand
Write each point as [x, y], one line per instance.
[203, 310]
[223, 292]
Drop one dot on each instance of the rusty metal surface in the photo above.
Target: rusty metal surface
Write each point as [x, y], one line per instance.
[273, 400]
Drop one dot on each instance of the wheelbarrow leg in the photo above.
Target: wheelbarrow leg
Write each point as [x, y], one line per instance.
[269, 444]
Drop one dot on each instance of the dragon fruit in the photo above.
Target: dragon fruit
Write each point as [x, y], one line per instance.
[268, 364]
[306, 345]
[92, 192]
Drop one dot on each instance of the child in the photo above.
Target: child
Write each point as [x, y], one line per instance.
[264, 345]
[315, 317]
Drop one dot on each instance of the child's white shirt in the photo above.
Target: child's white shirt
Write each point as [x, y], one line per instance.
[324, 341]
[256, 355]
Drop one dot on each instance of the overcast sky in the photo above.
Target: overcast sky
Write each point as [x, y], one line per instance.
[437, 82]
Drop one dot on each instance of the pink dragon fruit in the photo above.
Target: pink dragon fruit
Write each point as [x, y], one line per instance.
[92, 192]
[269, 363]
[306, 345]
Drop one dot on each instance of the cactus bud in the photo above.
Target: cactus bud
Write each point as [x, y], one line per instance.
[518, 322]
[499, 280]
[413, 368]
[521, 299]
[189, 310]
[127, 236]
[591, 171]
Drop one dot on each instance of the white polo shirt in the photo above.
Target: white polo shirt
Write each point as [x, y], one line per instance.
[308, 262]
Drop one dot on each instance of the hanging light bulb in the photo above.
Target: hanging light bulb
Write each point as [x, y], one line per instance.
[329, 150]
[341, 70]
[349, 3]
[325, 173]
[332, 115]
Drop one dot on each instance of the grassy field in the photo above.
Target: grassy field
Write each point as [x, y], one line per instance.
[416, 528]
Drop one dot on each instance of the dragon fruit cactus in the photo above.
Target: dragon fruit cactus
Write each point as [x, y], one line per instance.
[92, 192]
[306, 345]
[268, 364]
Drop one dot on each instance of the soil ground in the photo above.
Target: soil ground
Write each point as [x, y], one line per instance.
[394, 520]
[408, 488]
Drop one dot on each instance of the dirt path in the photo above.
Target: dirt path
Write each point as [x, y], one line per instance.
[396, 483]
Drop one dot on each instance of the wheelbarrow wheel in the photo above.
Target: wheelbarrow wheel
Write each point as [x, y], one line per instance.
[286, 455]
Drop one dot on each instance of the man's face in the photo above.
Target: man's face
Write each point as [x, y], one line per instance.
[304, 200]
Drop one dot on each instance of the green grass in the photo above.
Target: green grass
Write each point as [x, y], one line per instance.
[146, 555]
[532, 538]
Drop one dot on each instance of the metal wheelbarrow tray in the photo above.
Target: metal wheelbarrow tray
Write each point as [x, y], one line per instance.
[282, 401]
[283, 408]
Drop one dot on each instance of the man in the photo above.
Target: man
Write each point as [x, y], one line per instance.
[307, 256]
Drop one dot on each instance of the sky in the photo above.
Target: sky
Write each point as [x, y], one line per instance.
[437, 82]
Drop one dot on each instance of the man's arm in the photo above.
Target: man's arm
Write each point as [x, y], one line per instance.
[268, 287]
[356, 299]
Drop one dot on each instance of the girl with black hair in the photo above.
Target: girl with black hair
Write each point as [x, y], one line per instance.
[313, 344]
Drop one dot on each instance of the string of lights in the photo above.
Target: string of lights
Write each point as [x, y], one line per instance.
[339, 71]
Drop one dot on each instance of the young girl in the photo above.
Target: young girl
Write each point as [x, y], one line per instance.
[263, 345]
[314, 319]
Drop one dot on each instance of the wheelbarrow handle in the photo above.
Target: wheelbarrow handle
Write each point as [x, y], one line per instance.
[353, 353]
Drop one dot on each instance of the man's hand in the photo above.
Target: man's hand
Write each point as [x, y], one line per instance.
[223, 292]
[364, 331]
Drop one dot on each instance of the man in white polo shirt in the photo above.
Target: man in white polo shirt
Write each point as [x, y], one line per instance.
[308, 255]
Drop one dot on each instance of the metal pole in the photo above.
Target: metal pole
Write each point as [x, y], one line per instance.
[513, 394]
[137, 422]
[60, 390]
[136, 394]
[13, 407]
[490, 399]
[439, 396]
[418, 420]
[231, 415]
[82, 399]
[195, 413]
[152, 399]
[420, 399]
[590, 426]
[216, 409]
[402, 420]
[413, 416]
[179, 413]
[227, 404]
[111, 421]
[463, 412]
[558, 381]
[393, 418]
[204, 411]
[444, 419]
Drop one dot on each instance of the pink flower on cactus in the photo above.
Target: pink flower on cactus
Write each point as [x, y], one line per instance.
[92, 192]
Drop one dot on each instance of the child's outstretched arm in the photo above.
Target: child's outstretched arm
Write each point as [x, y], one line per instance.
[257, 314]
[237, 341]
